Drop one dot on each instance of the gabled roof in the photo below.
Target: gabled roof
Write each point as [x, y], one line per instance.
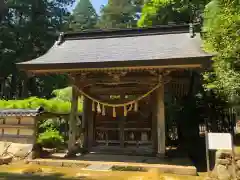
[161, 46]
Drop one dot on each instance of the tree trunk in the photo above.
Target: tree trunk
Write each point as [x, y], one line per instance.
[13, 87]
[32, 86]
[24, 93]
[2, 9]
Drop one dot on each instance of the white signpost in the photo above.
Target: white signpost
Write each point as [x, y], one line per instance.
[219, 141]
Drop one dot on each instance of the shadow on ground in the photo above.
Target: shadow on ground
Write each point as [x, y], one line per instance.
[56, 176]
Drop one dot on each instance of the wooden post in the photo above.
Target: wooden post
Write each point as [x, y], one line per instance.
[90, 123]
[154, 123]
[84, 122]
[207, 152]
[72, 120]
[25, 87]
[35, 151]
[121, 135]
[160, 120]
[233, 159]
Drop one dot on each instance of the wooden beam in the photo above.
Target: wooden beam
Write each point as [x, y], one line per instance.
[120, 90]
[126, 89]
[110, 81]
[130, 68]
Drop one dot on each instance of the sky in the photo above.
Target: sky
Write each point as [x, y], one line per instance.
[96, 4]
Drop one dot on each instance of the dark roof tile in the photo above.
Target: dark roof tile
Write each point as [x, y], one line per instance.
[20, 112]
[79, 49]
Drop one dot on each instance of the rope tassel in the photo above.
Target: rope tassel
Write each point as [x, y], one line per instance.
[114, 112]
[98, 108]
[93, 106]
[136, 106]
[103, 111]
[125, 110]
[130, 108]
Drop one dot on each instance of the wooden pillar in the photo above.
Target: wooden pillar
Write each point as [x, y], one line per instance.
[121, 135]
[160, 121]
[35, 150]
[85, 123]
[90, 123]
[154, 122]
[72, 120]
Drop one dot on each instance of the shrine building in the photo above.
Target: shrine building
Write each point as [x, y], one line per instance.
[125, 77]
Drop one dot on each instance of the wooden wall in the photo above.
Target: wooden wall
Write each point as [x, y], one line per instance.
[18, 129]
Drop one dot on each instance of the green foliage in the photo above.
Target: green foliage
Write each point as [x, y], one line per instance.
[120, 14]
[60, 103]
[49, 124]
[50, 139]
[64, 94]
[84, 16]
[159, 12]
[221, 27]
[51, 105]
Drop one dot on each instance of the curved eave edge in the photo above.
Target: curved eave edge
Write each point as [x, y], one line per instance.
[197, 62]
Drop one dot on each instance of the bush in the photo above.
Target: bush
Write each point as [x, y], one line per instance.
[50, 139]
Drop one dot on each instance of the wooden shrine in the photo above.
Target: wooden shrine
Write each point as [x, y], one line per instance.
[123, 77]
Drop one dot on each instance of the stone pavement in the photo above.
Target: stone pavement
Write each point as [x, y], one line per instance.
[175, 166]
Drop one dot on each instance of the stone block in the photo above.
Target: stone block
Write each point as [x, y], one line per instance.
[237, 157]
[223, 161]
[238, 164]
[20, 150]
[238, 174]
[222, 172]
[4, 146]
[223, 154]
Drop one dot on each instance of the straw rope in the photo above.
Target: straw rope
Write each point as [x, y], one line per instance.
[114, 106]
[117, 105]
[96, 104]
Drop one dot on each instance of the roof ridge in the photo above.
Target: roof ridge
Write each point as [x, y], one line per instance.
[112, 33]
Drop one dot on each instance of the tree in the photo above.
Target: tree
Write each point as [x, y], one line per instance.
[159, 12]
[84, 16]
[120, 14]
[28, 29]
[221, 26]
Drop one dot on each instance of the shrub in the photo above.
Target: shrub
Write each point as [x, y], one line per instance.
[50, 139]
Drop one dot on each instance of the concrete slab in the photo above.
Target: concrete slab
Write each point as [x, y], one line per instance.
[99, 167]
[179, 166]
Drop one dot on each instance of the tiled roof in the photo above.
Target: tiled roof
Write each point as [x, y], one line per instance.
[20, 112]
[86, 50]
